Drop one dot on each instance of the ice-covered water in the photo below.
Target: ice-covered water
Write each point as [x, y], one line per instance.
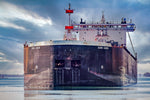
[13, 89]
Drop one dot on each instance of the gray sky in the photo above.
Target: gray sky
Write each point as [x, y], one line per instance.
[42, 20]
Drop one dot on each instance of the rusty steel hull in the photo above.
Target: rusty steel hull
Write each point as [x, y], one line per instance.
[52, 66]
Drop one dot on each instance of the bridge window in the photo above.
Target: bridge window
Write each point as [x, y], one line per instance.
[76, 63]
[128, 26]
[119, 26]
[59, 63]
[89, 26]
[115, 26]
[76, 26]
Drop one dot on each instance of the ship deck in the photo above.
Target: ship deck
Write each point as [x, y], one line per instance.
[68, 42]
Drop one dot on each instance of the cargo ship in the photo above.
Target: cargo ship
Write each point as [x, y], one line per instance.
[91, 54]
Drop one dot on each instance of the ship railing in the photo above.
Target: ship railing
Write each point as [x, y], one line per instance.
[69, 42]
[42, 43]
[85, 29]
[128, 27]
[108, 22]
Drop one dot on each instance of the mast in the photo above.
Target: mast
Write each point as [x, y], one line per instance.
[69, 11]
[68, 35]
[103, 18]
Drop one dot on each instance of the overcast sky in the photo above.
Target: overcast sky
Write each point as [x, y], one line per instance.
[42, 20]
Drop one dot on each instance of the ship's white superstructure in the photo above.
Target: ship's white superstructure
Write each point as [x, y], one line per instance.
[100, 32]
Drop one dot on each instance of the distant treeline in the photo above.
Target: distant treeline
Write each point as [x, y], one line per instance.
[147, 74]
[10, 75]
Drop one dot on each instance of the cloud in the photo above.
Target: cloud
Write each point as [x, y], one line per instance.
[12, 51]
[142, 68]
[146, 59]
[4, 60]
[10, 13]
[12, 67]
[2, 54]
[141, 44]
[11, 25]
[146, 2]
[33, 27]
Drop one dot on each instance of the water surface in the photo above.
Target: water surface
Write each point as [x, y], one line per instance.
[13, 89]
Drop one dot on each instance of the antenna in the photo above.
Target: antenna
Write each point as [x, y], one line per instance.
[68, 35]
[69, 11]
[103, 18]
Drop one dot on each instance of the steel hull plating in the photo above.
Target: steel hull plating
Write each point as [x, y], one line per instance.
[52, 66]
